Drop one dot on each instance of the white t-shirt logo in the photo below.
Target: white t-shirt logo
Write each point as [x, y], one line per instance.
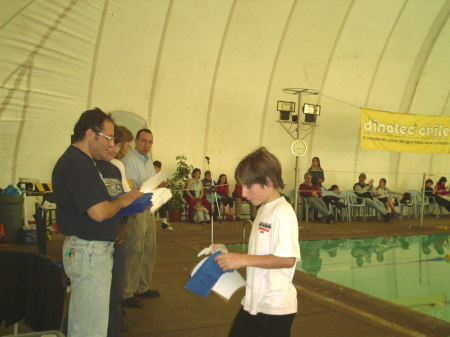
[264, 227]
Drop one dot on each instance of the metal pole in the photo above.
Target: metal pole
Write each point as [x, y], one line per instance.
[423, 200]
[299, 92]
[297, 158]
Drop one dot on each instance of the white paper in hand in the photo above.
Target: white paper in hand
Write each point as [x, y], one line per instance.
[159, 197]
[153, 182]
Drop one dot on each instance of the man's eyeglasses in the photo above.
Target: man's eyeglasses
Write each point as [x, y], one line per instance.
[110, 138]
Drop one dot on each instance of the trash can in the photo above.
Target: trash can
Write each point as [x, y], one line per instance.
[11, 214]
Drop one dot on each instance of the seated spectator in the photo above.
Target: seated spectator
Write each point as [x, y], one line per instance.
[237, 194]
[208, 189]
[429, 190]
[333, 200]
[194, 189]
[201, 213]
[365, 191]
[382, 194]
[311, 193]
[224, 191]
[207, 186]
[164, 209]
[442, 193]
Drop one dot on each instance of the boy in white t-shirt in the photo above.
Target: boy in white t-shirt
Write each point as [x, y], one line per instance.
[270, 302]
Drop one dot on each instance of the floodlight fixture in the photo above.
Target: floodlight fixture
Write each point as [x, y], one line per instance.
[311, 109]
[285, 108]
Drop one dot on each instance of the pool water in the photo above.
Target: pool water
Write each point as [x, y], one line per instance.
[412, 271]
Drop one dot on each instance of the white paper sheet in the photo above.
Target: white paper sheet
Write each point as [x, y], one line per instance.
[159, 197]
[153, 182]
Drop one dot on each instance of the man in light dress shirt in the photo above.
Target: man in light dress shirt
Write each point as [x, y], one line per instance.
[141, 228]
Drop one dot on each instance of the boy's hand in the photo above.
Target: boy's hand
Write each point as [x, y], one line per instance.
[229, 261]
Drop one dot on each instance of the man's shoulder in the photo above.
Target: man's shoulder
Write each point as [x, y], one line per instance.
[130, 160]
[72, 158]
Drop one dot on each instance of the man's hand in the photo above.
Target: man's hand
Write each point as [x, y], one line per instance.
[107, 209]
[229, 261]
[128, 198]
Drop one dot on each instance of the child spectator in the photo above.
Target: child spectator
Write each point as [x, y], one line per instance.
[201, 213]
[382, 194]
[429, 190]
[270, 301]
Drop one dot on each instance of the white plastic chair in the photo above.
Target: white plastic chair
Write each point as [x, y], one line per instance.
[438, 209]
[354, 203]
[418, 201]
[308, 210]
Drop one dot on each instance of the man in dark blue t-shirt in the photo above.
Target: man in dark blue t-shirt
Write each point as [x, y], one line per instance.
[86, 214]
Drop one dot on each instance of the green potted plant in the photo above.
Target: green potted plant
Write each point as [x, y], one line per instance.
[177, 185]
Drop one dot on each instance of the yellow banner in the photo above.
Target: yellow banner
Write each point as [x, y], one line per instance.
[389, 131]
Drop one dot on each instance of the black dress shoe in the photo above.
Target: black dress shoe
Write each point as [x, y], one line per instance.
[132, 302]
[148, 293]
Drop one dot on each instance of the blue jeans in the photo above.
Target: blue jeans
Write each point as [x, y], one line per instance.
[88, 264]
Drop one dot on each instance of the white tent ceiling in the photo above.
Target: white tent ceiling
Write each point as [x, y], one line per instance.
[206, 75]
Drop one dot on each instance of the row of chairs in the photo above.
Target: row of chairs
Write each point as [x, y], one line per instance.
[356, 206]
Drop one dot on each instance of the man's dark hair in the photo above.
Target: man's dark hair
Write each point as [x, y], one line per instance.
[257, 167]
[90, 119]
[157, 164]
[428, 181]
[383, 180]
[142, 130]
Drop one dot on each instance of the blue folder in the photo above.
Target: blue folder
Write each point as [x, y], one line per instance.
[138, 206]
[202, 282]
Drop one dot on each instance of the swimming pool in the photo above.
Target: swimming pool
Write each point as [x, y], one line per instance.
[408, 270]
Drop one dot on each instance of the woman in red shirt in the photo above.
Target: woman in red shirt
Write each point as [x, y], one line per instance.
[442, 193]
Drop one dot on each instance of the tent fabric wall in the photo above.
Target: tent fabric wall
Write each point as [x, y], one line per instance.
[205, 75]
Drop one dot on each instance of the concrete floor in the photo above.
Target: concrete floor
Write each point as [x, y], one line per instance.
[325, 309]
